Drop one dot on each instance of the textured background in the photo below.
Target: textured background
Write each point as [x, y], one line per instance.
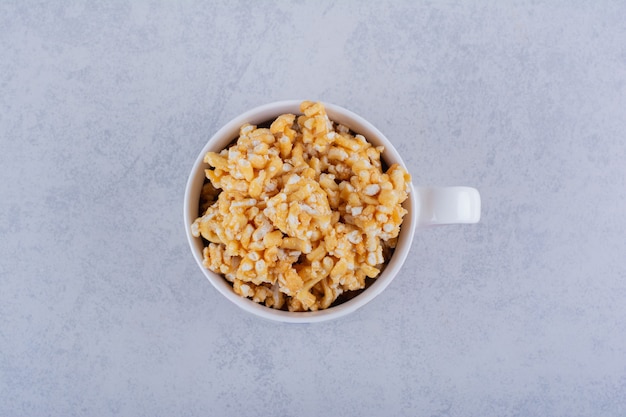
[105, 105]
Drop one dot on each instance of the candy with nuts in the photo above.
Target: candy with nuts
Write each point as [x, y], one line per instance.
[297, 214]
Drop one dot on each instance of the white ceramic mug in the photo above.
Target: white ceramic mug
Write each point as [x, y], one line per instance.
[426, 206]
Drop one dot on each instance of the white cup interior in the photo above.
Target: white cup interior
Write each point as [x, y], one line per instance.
[266, 113]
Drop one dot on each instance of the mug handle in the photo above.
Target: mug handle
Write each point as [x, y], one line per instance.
[447, 205]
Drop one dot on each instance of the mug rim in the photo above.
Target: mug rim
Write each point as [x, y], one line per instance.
[266, 112]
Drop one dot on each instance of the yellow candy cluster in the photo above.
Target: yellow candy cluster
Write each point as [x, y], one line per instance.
[299, 213]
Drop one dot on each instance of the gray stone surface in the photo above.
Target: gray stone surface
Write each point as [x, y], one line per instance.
[105, 105]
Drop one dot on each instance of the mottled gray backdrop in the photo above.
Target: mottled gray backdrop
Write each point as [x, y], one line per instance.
[104, 105]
